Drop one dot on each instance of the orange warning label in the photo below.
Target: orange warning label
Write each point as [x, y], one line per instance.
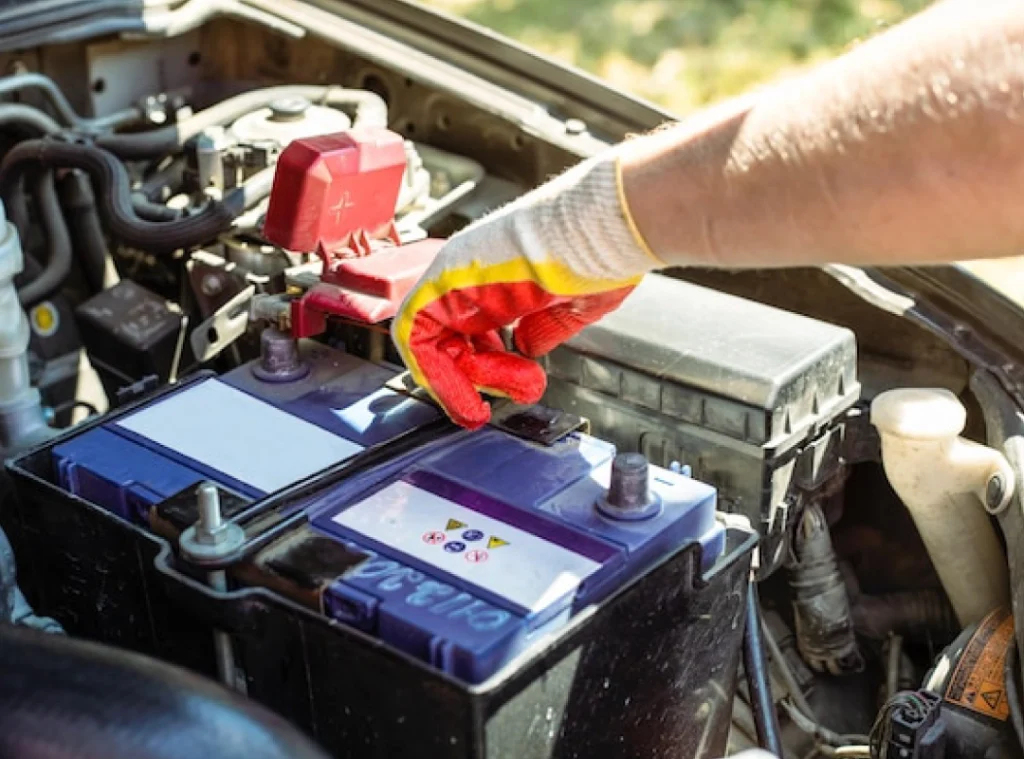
[978, 683]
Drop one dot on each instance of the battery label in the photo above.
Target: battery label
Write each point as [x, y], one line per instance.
[238, 435]
[978, 683]
[511, 563]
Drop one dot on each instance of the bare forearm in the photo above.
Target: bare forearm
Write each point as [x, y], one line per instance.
[909, 149]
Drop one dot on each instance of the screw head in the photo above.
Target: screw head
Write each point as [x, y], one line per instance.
[995, 493]
[211, 285]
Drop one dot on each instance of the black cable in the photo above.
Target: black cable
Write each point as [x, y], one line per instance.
[370, 110]
[113, 189]
[58, 261]
[1013, 693]
[755, 666]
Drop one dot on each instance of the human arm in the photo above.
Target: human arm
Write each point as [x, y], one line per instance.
[909, 149]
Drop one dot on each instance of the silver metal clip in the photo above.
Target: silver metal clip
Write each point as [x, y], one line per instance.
[223, 327]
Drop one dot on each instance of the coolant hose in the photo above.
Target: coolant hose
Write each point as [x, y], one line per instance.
[83, 219]
[370, 110]
[755, 666]
[31, 80]
[67, 698]
[113, 187]
[58, 260]
[28, 118]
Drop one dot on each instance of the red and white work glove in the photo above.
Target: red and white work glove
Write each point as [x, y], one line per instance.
[552, 262]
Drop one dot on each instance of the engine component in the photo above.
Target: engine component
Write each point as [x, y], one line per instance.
[288, 119]
[947, 484]
[450, 588]
[821, 608]
[921, 614]
[963, 710]
[131, 333]
[72, 698]
[116, 198]
[21, 415]
[369, 110]
[677, 375]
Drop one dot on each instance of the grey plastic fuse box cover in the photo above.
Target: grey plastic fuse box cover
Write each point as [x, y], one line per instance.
[746, 394]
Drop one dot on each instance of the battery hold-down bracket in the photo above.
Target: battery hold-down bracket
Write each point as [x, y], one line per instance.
[335, 195]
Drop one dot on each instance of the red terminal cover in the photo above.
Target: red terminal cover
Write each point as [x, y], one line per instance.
[330, 190]
[335, 195]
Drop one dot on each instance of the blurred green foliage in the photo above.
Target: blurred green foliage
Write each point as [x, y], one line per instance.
[686, 53]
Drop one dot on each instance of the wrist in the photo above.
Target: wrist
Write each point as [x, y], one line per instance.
[675, 182]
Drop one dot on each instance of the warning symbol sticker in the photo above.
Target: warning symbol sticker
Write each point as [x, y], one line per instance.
[476, 556]
[496, 542]
[454, 524]
[992, 698]
[978, 683]
[433, 537]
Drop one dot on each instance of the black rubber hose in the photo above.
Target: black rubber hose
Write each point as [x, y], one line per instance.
[58, 260]
[34, 81]
[83, 219]
[171, 177]
[61, 697]
[30, 119]
[112, 185]
[755, 666]
[370, 110]
[34, 123]
[150, 211]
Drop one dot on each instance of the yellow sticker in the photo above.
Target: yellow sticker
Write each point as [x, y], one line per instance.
[44, 319]
[454, 524]
[496, 542]
[978, 682]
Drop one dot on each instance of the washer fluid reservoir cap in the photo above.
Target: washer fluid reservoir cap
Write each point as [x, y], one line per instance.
[287, 120]
[919, 413]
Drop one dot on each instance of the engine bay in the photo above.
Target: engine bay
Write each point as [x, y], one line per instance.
[716, 517]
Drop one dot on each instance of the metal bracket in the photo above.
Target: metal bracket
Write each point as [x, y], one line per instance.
[223, 327]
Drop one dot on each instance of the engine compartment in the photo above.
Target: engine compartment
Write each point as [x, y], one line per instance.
[151, 270]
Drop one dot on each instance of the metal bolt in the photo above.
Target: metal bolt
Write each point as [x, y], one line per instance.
[279, 357]
[210, 537]
[211, 285]
[575, 127]
[209, 528]
[629, 493]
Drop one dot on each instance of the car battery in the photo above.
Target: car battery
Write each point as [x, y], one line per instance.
[404, 587]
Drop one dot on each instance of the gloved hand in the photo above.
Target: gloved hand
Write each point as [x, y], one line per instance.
[552, 262]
